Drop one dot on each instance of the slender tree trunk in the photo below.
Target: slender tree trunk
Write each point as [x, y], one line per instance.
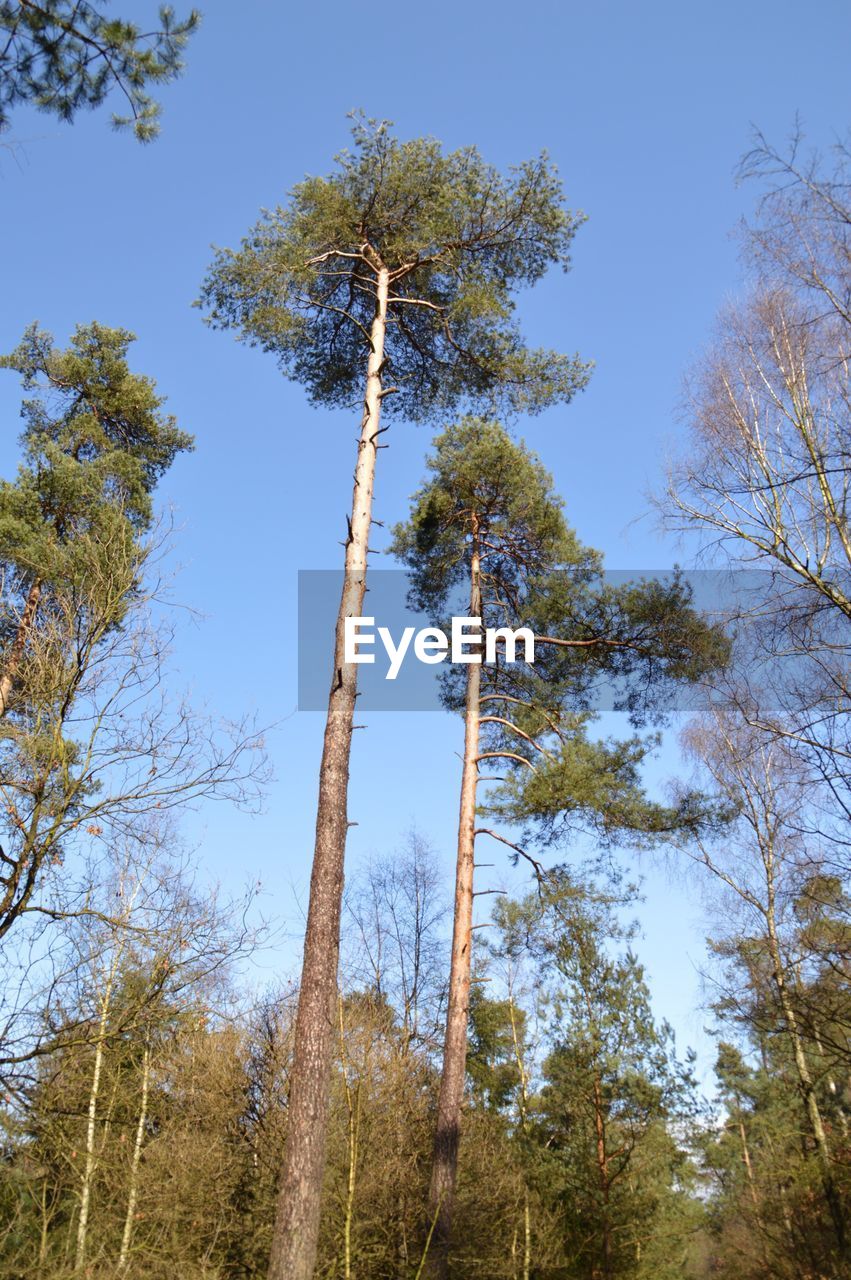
[353, 1109]
[523, 1107]
[451, 1096]
[757, 1212]
[774, 1163]
[603, 1171]
[91, 1124]
[19, 644]
[831, 1082]
[296, 1230]
[45, 1223]
[134, 1163]
[805, 1080]
[746, 1158]
[403, 1262]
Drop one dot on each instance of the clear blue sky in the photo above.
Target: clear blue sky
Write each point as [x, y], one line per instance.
[645, 108]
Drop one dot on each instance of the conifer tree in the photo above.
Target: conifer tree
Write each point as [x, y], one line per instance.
[64, 56]
[389, 284]
[767, 870]
[95, 445]
[736, 1154]
[612, 1094]
[487, 517]
[91, 746]
[72, 552]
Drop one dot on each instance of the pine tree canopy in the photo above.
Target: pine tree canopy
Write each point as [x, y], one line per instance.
[643, 639]
[95, 444]
[63, 57]
[456, 239]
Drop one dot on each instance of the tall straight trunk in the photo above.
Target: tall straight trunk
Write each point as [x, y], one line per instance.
[403, 1262]
[45, 1227]
[603, 1172]
[451, 1096]
[19, 644]
[523, 1107]
[757, 1212]
[828, 1078]
[805, 1080]
[353, 1110]
[133, 1193]
[91, 1125]
[296, 1230]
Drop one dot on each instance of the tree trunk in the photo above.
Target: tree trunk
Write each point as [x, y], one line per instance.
[523, 1109]
[448, 1128]
[830, 1081]
[805, 1081]
[127, 1234]
[91, 1123]
[603, 1171]
[296, 1228]
[45, 1227]
[7, 680]
[757, 1212]
[353, 1110]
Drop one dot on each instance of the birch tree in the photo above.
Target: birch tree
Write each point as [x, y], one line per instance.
[389, 285]
[393, 913]
[762, 867]
[762, 474]
[101, 1099]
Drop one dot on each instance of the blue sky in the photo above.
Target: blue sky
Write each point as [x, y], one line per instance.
[645, 108]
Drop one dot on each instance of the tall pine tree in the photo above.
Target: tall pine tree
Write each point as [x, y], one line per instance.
[487, 518]
[389, 284]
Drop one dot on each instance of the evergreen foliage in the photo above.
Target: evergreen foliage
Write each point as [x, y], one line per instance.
[95, 444]
[640, 641]
[64, 56]
[458, 240]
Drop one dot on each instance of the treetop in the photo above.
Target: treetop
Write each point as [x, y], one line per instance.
[455, 239]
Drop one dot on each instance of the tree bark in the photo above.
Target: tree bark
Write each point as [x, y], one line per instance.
[7, 680]
[296, 1230]
[805, 1080]
[451, 1096]
[353, 1109]
[603, 1172]
[757, 1212]
[523, 1109]
[132, 1196]
[91, 1123]
[814, 1116]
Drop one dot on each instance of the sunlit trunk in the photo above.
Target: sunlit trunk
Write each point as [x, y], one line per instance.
[353, 1111]
[133, 1193]
[523, 1107]
[296, 1230]
[805, 1081]
[603, 1174]
[19, 644]
[91, 1127]
[451, 1096]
